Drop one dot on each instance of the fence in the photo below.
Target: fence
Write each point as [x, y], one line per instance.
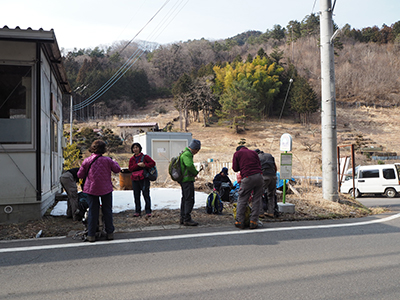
[213, 168]
[385, 157]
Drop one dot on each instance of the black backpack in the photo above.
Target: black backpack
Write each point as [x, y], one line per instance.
[150, 173]
[83, 206]
[214, 204]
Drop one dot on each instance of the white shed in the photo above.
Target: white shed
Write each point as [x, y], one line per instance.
[162, 146]
[32, 84]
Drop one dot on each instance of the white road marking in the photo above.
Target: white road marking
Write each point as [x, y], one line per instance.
[196, 235]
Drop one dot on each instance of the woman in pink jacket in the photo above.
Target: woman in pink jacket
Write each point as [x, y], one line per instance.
[96, 169]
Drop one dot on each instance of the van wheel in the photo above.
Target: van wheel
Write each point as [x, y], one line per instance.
[390, 192]
[356, 194]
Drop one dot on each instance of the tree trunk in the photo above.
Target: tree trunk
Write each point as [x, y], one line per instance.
[180, 119]
[204, 117]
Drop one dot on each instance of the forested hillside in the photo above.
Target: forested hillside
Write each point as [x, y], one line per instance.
[242, 78]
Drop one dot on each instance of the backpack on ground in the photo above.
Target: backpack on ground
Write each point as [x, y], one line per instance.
[214, 204]
[83, 206]
[150, 173]
[174, 168]
[224, 191]
[246, 214]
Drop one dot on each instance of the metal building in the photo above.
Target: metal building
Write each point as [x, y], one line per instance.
[32, 84]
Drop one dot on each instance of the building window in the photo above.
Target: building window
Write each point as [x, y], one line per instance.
[54, 136]
[15, 104]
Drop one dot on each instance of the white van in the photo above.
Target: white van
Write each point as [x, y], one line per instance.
[375, 179]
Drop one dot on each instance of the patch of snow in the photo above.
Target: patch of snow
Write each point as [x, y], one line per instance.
[161, 198]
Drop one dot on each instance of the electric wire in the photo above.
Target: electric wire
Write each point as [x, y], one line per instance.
[165, 3]
[110, 82]
[116, 76]
[315, 1]
[133, 58]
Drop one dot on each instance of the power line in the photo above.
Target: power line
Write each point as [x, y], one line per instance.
[114, 79]
[134, 57]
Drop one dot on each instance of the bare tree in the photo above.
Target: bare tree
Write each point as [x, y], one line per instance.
[203, 96]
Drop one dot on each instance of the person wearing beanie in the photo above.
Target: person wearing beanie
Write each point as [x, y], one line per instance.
[223, 184]
[247, 162]
[195, 145]
[189, 172]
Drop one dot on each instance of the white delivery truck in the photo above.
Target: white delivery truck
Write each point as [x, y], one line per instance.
[374, 179]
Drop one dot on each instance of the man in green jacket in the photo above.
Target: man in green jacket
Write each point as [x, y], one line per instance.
[189, 172]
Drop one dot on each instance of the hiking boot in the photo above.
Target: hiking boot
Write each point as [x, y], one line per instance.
[253, 225]
[190, 223]
[268, 215]
[110, 236]
[181, 221]
[239, 225]
[136, 215]
[91, 238]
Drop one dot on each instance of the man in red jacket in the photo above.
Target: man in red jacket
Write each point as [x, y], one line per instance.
[247, 162]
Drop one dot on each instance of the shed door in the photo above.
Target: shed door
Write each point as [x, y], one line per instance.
[163, 151]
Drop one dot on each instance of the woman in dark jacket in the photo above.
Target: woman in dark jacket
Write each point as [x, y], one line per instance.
[137, 165]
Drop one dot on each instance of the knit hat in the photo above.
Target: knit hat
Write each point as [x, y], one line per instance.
[224, 170]
[195, 145]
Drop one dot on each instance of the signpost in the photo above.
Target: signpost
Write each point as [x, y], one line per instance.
[286, 161]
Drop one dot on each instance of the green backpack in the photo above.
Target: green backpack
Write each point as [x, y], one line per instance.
[174, 168]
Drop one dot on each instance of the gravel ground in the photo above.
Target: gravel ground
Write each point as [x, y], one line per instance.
[50, 226]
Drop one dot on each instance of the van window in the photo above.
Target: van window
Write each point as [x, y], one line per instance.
[389, 174]
[369, 173]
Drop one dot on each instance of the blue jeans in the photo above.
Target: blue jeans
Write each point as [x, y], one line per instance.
[94, 209]
[142, 186]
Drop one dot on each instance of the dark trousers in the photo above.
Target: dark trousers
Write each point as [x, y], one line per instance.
[94, 208]
[271, 205]
[252, 183]
[142, 186]
[187, 200]
[68, 183]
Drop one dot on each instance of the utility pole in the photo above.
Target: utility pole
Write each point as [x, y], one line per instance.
[328, 105]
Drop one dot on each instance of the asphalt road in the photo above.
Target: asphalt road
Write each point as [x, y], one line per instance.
[335, 259]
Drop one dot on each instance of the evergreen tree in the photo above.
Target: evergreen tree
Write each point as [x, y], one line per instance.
[239, 104]
[276, 55]
[303, 99]
[261, 73]
[261, 53]
[278, 32]
[71, 155]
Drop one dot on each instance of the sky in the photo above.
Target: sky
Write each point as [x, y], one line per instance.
[161, 198]
[91, 23]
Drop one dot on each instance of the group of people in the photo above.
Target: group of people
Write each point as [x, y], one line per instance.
[258, 179]
[95, 173]
[257, 170]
